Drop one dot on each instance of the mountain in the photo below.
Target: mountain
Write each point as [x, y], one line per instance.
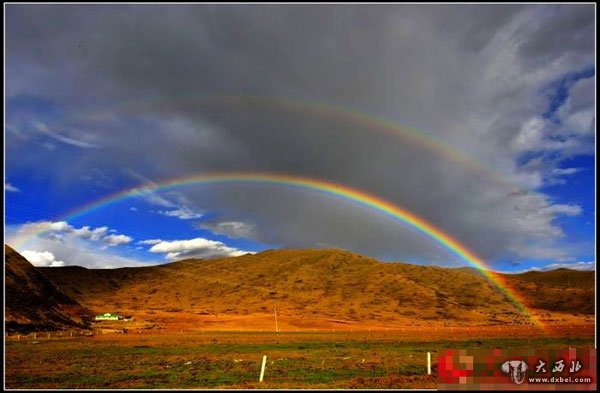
[562, 290]
[33, 302]
[317, 283]
[559, 278]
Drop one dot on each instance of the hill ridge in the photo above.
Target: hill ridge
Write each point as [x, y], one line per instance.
[33, 301]
[308, 282]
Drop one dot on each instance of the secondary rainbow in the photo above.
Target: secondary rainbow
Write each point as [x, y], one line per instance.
[341, 191]
[369, 122]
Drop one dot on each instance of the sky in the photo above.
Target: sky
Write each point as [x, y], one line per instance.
[479, 119]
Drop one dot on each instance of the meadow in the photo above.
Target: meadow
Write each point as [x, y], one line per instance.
[232, 359]
[324, 319]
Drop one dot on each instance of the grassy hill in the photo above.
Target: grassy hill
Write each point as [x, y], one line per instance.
[562, 290]
[320, 283]
[559, 278]
[33, 302]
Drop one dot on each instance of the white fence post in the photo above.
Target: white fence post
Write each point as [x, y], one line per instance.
[262, 368]
[428, 363]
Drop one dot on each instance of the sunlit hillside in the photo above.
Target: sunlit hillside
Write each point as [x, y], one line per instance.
[319, 283]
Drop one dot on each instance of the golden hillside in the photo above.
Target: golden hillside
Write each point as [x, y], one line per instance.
[312, 283]
[564, 290]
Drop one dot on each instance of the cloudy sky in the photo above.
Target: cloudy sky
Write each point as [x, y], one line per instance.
[480, 119]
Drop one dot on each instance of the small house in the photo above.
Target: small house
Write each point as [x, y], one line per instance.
[107, 317]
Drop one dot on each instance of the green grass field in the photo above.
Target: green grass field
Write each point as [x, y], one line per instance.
[233, 360]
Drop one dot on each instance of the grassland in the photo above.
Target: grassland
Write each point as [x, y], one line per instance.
[229, 359]
[345, 321]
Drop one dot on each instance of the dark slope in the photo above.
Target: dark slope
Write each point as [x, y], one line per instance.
[34, 302]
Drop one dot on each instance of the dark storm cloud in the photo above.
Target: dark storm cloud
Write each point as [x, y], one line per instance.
[167, 91]
[569, 32]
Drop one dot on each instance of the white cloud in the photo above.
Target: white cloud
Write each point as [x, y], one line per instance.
[72, 250]
[565, 171]
[575, 266]
[569, 130]
[581, 122]
[44, 258]
[540, 170]
[535, 216]
[198, 247]
[233, 229]
[115, 240]
[183, 213]
[577, 114]
[133, 209]
[542, 136]
[581, 265]
[146, 191]
[567, 210]
[61, 231]
[556, 175]
[150, 241]
[181, 208]
[531, 135]
[9, 187]
[152, 197]
[94, 234]
[540, 250]
[43, 128]
[43, 228]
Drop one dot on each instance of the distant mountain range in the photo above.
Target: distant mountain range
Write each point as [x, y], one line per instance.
[313, 283]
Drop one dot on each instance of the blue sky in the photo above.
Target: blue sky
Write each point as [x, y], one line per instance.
[94, 107]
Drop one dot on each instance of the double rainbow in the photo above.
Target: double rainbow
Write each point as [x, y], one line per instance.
[337, 190]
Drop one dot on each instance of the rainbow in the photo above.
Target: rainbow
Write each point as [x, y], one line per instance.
[337, 190]
[324, 110]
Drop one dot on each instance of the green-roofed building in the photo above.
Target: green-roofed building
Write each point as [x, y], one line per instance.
[108, 316]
